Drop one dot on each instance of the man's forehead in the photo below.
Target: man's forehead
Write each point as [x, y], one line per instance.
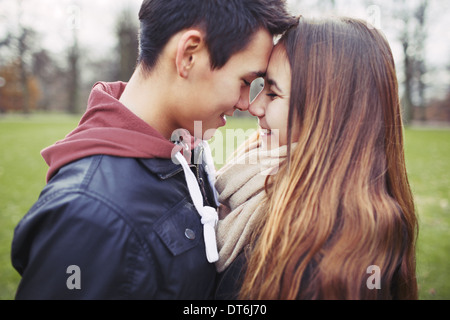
[259, 64]
[250, 64]
[256, 55]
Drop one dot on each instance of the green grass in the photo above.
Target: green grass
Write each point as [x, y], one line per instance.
[428, 163]
[22, 177]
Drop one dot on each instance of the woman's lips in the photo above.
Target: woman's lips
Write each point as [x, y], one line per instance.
[266, 132]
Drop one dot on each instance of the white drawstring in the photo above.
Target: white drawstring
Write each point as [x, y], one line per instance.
[209, 216]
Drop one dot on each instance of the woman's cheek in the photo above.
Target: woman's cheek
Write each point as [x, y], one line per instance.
[277, 118]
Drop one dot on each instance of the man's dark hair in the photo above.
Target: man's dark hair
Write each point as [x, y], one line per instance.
[228, 24]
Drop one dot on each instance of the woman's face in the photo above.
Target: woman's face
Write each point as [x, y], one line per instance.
[271, 106]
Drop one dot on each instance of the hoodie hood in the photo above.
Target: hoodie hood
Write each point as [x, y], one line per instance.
[108, 128]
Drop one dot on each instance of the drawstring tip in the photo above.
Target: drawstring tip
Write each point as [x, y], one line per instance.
[213, 259]
[210, 243]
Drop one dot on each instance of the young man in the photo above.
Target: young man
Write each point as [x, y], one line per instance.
[118, 218]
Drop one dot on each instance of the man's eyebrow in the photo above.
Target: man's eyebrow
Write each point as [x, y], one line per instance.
[272, 82]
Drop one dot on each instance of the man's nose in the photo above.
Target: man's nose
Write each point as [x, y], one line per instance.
[243, 103]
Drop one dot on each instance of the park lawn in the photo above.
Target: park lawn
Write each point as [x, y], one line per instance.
[22, 177]
[428, 164]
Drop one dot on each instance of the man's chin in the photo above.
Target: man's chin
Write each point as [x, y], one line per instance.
[208, 134]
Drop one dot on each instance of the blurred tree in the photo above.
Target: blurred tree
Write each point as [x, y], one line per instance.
[25, 41]
[127, 44]
[23, 48]
[5, 41]
[11, 92]
[19, 44]
[73, 77]
[73, 61]
[51, 79]
[412, 35]
[420, 36]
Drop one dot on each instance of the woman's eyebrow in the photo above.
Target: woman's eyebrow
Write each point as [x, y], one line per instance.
[260, 74]
[272, 82]
[256, 74]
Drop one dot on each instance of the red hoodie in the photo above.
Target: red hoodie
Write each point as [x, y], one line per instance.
[109, 128]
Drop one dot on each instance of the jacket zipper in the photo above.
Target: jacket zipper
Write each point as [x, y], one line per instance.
[200, 180]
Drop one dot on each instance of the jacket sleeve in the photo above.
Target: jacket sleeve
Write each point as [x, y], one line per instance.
[77, 246]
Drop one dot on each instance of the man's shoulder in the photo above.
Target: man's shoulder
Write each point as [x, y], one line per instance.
[128, 185]
[104, 172]
[134, 181]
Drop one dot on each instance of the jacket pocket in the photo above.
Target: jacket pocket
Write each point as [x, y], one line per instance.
[180, 229]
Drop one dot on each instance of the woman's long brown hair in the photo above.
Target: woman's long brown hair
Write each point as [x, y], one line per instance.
[342, 201]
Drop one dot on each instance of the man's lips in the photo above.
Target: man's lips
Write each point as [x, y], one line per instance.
[229, 113]
[225, 115]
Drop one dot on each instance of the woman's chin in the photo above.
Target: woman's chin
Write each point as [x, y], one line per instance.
[269, 140]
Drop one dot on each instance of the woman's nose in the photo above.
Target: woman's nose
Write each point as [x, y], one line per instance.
[258, 106]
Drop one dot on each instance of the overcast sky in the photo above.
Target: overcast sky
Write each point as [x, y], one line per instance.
[54, 20]
[94, 21]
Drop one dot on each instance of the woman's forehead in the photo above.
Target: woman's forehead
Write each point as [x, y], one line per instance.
[278, 63]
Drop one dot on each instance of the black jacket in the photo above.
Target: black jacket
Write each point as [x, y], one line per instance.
[127, 224]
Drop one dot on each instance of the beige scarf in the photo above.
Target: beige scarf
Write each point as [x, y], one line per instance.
[240, 184]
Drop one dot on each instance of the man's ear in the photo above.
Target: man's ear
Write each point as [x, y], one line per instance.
[190, 43]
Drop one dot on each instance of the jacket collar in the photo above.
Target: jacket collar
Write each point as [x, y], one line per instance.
[163, 168]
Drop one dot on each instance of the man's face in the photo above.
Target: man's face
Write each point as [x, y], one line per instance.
[215, 94]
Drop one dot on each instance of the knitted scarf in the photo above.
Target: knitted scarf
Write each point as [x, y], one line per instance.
[240, 185]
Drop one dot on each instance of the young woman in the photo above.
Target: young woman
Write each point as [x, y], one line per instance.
[337, 220]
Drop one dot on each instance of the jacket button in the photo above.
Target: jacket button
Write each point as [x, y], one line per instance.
[190, 234]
